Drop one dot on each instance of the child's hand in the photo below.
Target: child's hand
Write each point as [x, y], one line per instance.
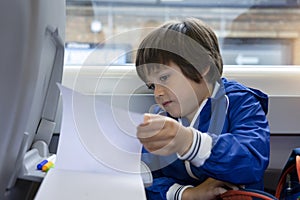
[163, 135]
[209, 189]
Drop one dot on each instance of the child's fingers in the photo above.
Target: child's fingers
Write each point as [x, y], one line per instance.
[149, 118]
[152, 125]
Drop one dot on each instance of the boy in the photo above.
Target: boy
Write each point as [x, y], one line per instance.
[215, 131]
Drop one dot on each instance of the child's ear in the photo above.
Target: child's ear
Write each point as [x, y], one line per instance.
[204, 73]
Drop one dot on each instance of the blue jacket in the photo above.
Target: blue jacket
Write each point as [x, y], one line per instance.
[240, 153]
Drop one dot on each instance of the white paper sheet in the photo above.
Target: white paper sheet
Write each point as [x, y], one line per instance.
[96, 140]
[65, 184]
[96, 136]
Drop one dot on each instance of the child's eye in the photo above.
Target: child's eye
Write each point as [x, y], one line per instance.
[150, 86]
[164, 77]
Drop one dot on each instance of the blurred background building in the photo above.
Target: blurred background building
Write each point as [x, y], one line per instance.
[252, 32]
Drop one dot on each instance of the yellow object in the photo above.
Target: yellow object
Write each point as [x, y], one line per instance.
[47, 166]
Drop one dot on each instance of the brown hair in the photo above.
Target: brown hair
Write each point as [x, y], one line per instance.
[189, 43]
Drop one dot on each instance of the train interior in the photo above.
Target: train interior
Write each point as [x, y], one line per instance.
[89, 46]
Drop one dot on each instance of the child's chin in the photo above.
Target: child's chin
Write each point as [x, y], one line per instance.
[174, 114]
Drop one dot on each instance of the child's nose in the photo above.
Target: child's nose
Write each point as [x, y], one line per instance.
[159, 90]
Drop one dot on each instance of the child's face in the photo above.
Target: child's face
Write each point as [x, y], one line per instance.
[178, 95]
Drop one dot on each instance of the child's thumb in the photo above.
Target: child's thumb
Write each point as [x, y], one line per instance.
[147, 117]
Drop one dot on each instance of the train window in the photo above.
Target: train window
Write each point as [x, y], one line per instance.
[253, 32]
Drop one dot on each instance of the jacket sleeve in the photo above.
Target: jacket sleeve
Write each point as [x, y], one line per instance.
[159, 188]
[165, 189]
[162, 187]
[160, 184]
[241, 155]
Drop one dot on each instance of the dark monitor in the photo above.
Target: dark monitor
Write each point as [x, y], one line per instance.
[31, 62]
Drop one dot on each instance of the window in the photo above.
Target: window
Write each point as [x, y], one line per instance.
[253, 32]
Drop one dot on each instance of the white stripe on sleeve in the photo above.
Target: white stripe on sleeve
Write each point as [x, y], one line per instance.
[200, 149]
[175, 191]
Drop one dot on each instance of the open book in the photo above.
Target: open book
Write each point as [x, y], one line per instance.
[98, 154]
